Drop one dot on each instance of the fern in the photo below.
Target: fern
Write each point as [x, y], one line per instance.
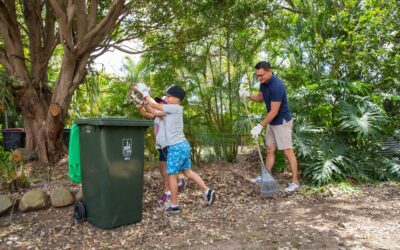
[7, 167]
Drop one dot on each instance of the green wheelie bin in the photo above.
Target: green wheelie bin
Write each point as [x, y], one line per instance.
[74, 158]
[112, 159]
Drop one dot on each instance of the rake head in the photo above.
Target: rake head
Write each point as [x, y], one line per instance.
[269, 186]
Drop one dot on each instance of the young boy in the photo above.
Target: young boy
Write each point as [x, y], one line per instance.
[159, 134]
[178, 147]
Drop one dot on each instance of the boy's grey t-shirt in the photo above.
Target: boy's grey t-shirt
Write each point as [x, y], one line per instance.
[160, 137]
[173, 124]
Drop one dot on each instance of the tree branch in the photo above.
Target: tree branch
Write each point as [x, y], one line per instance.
[10, 5]
[65, 29]
[125, 50]
[23, 28]
[50, 40]
[71, 9]
[13, 51]
[95, 35]
[32, 10]
[49, 49]
[94, 56]
[80, 73]
[289, 9]
[81, 19]
[57, 8]
[4, 18]
[92, 13]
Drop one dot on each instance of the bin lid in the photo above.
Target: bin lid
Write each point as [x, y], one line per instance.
[13, 130]
[115, 122]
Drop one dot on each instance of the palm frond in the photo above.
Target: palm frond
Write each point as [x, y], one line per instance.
[364, 118]
[327, 162]
[305, 138]
[393, 168]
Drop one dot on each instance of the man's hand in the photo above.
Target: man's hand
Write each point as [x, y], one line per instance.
[256, 130]
[243, 93]
[143, 89]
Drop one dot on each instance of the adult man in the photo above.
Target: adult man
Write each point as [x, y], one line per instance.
[278, 118]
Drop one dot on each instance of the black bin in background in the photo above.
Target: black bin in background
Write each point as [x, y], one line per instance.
[13, 138]
[66, 134]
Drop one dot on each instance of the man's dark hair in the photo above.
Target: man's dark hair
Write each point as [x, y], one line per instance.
[263, 65]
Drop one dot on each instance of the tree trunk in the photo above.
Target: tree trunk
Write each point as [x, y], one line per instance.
[34, 105]
[44, 113]
[74, 24]
[33, 113]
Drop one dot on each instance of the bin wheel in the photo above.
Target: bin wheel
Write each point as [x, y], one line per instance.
[80, 212]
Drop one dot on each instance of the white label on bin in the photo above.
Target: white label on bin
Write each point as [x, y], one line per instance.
[88, 129]
[127, 149]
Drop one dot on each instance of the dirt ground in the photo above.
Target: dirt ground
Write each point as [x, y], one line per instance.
[364, 217]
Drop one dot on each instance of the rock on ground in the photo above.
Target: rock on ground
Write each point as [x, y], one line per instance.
[5, 204]
[61, 197]
[79, 196]
[33, 200]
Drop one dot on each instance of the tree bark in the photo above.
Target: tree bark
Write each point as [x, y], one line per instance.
[76, 26]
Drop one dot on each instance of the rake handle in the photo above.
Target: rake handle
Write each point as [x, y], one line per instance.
[258, 145]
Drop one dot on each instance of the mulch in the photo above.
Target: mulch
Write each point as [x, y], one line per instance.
[366, 217]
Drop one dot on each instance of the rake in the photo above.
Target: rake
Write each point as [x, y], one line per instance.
[269, 186]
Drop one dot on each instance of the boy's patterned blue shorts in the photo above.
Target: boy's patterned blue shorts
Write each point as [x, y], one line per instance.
[178, 157]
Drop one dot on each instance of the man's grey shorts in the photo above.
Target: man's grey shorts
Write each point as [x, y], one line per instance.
[280, 135]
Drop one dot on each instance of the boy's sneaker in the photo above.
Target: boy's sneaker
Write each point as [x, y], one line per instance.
[292, 187]
[182, 185]
[210, 196]
[256, 180]
[168, 209]
[165, 197]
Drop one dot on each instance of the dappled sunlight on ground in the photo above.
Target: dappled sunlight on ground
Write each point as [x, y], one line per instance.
[367, 217]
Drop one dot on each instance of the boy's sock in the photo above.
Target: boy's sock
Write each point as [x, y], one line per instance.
[165, 197]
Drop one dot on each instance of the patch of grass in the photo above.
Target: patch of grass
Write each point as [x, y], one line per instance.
[330, 189]
[215, 238]
[347, 187]
[296, 244]
[312, 190]
[253, 234]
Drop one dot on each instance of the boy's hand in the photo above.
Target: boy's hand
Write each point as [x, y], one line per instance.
[143, 89]
[135, 96]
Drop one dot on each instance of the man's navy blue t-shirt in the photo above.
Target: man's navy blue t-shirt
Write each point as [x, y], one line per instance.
[274, 91]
